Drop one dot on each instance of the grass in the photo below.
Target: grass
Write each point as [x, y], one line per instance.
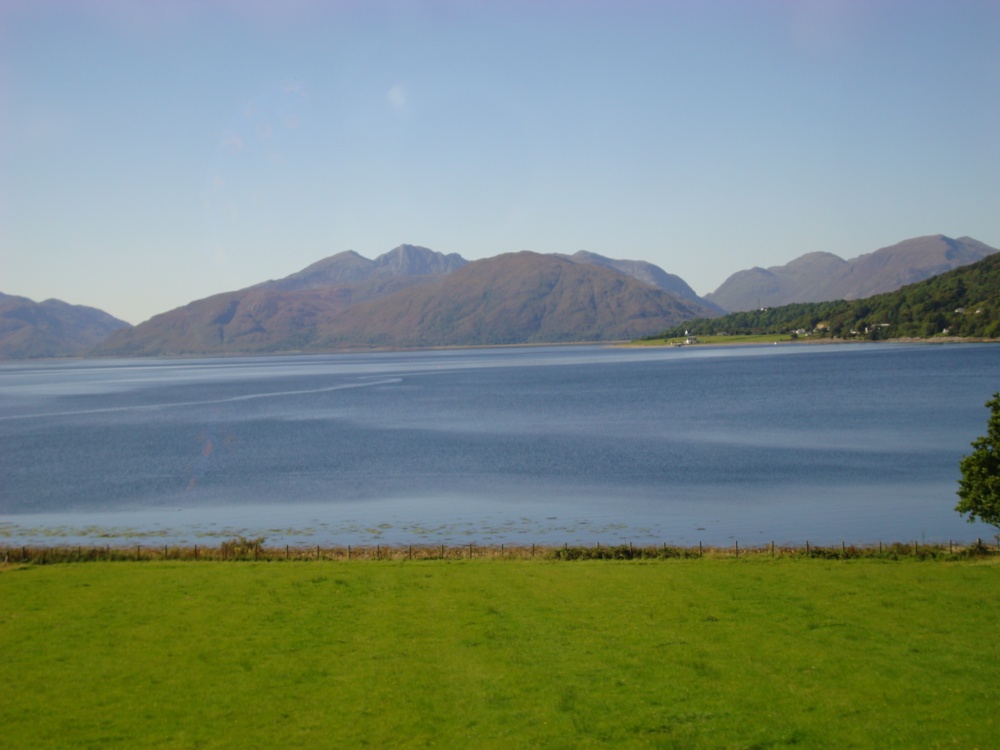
[711, 652]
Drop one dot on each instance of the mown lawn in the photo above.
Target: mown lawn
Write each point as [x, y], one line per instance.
[517, 653]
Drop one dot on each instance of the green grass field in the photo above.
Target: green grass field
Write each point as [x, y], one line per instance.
[503, 653]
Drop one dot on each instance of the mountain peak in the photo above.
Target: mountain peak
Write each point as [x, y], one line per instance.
[341, 268]
[414, 260]
[819, 276]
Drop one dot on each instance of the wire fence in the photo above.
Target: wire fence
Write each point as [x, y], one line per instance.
[242, 549]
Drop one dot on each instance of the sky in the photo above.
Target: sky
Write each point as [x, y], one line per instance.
[153, 152]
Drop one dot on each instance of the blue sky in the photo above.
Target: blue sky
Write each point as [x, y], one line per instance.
[155, 152]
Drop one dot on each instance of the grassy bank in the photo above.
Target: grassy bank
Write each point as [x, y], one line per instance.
[243, 549]
[704, 652]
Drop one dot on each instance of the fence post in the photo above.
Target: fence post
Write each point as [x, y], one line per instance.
[196, 552]
[701, 552]
[137, 551]
[807, 548]
[737, 548]
[772, 548]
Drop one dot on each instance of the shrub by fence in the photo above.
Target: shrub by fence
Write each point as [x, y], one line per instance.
[242, 549]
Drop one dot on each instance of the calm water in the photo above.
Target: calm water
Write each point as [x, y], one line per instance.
[549, 445]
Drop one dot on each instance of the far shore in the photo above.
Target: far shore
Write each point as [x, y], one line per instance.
[778, 338]
[765, 339]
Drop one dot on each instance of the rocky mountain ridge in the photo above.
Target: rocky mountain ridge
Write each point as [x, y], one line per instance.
[413, 296]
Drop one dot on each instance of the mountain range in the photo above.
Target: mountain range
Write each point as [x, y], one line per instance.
[412, 296]
[819, 277]
[961, 303]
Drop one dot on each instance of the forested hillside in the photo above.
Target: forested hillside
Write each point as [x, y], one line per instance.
[962, 302]
[821, 277]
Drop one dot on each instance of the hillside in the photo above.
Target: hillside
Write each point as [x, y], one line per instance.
[647, 273]
[962, 302]
[818, 277]
[281, 314]
[510, 299]
[414, 297]
[51, 328]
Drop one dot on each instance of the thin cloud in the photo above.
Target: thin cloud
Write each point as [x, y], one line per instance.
[396, 98]
[232, 142]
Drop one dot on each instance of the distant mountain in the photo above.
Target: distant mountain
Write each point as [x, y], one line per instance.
[648, 273]
[513, 298]
[963, 302]
[349, 267]
[51, 328]
[818, 277]
[281, 314]
[415, 297]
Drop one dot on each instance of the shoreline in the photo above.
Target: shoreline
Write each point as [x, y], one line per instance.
[740, 341]
[623, 343]
[241, 549]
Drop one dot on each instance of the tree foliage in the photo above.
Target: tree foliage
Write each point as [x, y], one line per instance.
[979, 487]
[961, 302]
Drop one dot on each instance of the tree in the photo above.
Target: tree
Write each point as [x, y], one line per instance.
[979, 487]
